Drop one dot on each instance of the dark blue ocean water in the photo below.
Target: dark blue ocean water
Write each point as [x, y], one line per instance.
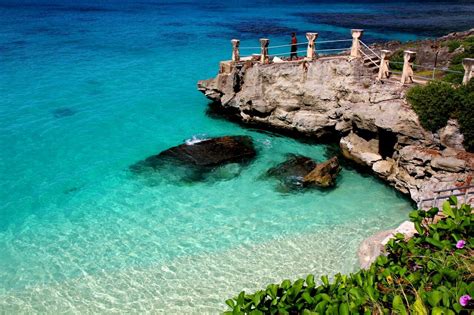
[89, 88]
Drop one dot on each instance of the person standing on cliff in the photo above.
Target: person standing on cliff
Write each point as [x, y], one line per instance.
[294, 47]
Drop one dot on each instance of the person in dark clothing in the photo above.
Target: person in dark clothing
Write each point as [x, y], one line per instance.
[294, 47]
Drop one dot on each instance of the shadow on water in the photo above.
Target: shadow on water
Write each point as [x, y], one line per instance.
[63, 112]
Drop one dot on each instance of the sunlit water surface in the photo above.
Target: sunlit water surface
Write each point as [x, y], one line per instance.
[87, 90]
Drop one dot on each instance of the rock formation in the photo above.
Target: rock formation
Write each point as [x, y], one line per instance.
[324, 174]
[338, 97]
[301, 171]
[202, 155]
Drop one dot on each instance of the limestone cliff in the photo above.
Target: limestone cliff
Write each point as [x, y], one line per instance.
[338, 97]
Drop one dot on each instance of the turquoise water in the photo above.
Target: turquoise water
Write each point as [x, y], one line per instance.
[87, 90]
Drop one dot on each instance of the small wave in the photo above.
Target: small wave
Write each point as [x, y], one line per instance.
[196, 139]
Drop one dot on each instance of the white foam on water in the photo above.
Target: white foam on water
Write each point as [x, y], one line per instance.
[196, 139]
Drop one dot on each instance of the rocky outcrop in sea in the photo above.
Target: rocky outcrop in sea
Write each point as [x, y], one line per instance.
[338, 98]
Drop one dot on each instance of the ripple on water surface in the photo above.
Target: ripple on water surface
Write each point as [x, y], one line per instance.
[133, 243]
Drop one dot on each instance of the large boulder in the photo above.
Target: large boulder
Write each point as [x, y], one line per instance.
[324, 174]
[359, 150]
[203, 154]
[301, 171]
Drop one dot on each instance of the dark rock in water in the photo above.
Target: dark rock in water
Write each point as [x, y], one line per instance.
[296, 166]
[213, 152]
[324, 174]
[201, 157]
[301, 171]
[63, 112]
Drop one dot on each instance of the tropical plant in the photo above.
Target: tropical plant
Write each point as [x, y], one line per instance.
[438, 101]
[431, 273]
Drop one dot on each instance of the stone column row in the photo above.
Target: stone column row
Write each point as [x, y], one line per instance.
[264, 44]
[384, 69]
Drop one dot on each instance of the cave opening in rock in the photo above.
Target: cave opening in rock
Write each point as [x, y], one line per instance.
[387, 142]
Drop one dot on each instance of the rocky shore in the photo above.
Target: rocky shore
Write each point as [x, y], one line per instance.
[339, 98]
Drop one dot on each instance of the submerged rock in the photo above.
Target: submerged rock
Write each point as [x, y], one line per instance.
[324, 174]
[295, 166]
[301, 171]
[200, 157]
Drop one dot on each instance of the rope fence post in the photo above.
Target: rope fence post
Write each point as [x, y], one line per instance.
[468, 64]
[356, 35]
[384, 69]
[235, 50]
[408, 59]
[311, 51]
[264, 42]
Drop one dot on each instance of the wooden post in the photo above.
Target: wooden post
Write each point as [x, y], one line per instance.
[235, 50]
[264, 42]
[311, 51]
[408, 59]
[384, 68]
[468, 64]
[355, 49]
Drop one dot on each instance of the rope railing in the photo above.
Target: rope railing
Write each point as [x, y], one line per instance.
[370, 49]
[371, 60]
[278, 46]
[437, 195]
[357, 50]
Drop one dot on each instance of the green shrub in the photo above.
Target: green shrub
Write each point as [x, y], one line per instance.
[465, 114]
[452, 45]
[456, 61]
[426, 273]
[396, 60]
[434, 103]
[438, 101]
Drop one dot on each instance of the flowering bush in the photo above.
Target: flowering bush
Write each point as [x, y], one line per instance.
[432, 273]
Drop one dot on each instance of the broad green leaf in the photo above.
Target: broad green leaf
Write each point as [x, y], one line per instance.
[325, 280]
[453, 200]
[230, 302]
[307, 297]
[344, 309]
[447, 210]
[310, 280]
[398, 305]
[286, 284]
[419, 307]
[434, 297]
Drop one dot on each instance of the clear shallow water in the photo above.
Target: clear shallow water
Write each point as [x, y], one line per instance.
[87, 90]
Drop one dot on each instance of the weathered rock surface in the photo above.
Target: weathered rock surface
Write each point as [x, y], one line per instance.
[373, 246]
[324, 174]
[204, 154]
[301, 171]
[339, 98]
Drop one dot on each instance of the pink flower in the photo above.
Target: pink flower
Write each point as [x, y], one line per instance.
[464, 300]
[460, 244]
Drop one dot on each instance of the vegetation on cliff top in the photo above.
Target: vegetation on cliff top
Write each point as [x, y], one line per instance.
[430, 273]
[438, 101]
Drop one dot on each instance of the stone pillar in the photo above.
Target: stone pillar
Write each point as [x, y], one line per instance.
[408, 59]
[468, 64]
[264, 42]
[356, 35]
[235, 50]
[311, 51]
[384, 68]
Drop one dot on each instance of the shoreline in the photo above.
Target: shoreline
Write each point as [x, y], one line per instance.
[338, 100]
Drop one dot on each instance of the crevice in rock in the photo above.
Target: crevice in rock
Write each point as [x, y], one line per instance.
[387, 142]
